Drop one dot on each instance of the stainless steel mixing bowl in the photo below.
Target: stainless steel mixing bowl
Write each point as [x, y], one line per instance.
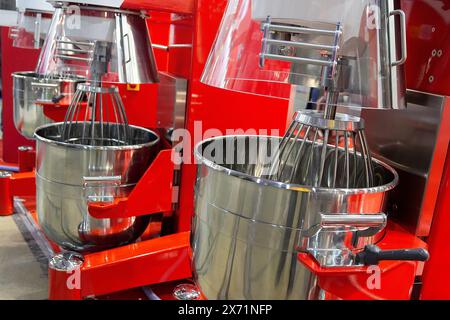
[68, 175]
[247, 230]
[31, 92]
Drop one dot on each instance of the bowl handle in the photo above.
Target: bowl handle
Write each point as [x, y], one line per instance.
[362, 221]
[101, 189]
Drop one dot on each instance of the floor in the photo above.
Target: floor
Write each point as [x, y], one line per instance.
[22, 276]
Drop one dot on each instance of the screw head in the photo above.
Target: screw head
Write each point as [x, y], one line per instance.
[286, 51]
[25, 148]
[66, 261]
[186, 292]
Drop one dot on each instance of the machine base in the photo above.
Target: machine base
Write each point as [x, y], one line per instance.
[160, 260]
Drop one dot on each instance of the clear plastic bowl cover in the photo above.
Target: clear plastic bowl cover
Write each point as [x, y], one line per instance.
[365, 50]
[31, 30]
[99, 44]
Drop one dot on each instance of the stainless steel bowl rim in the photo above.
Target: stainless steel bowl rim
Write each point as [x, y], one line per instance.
[71, 185]
[294, 187]
[32, 74]
[87, 147]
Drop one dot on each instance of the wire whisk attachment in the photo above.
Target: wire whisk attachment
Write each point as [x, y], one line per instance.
[320, 152]
[96, 117]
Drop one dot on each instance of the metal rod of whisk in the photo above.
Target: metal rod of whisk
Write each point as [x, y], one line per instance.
[331, 105]
[293, 142]
[347, 160]
[323, 157]
[280, 150]
[93, 117]
[368, 167]
[73, 109]
[123, 116]
[299, 154]
[336, 160]
[332, 75]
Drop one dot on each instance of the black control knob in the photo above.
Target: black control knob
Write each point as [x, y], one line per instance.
[372, 255]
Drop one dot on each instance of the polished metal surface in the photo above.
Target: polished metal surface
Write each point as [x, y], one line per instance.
[186, 291]
[65, 176]
[313, 40]
[321, 56]
[172, 94]
[415, 142]
[248, 230]
[355, 48]
[341, 121]
[31, 92]
[66, 261]
[70, 47]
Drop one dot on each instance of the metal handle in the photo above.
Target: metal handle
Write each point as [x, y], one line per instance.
[13, 32]
[76, 43]
[376, 222]
[292, 29]
[98, 179]
[404, 45]
[171, 46]
[101, 188]
[353, 220]
[127, 59]
[66, 57]
[74, 50]
[267, 27]
[37, 31]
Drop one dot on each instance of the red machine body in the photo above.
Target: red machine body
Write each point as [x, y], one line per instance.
[174, 22]
[28, 60]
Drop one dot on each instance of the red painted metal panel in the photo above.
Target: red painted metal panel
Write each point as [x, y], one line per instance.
[57, 282]
[436, 276]
[140, 104]
[13, 60]
[149, 262]
[176, 6]
[6, 205]
[435, 174]
[159, 29]
[16, 185]
[152, 194]
[428, 39]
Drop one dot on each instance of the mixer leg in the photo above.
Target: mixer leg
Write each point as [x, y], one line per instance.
[18, 182]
